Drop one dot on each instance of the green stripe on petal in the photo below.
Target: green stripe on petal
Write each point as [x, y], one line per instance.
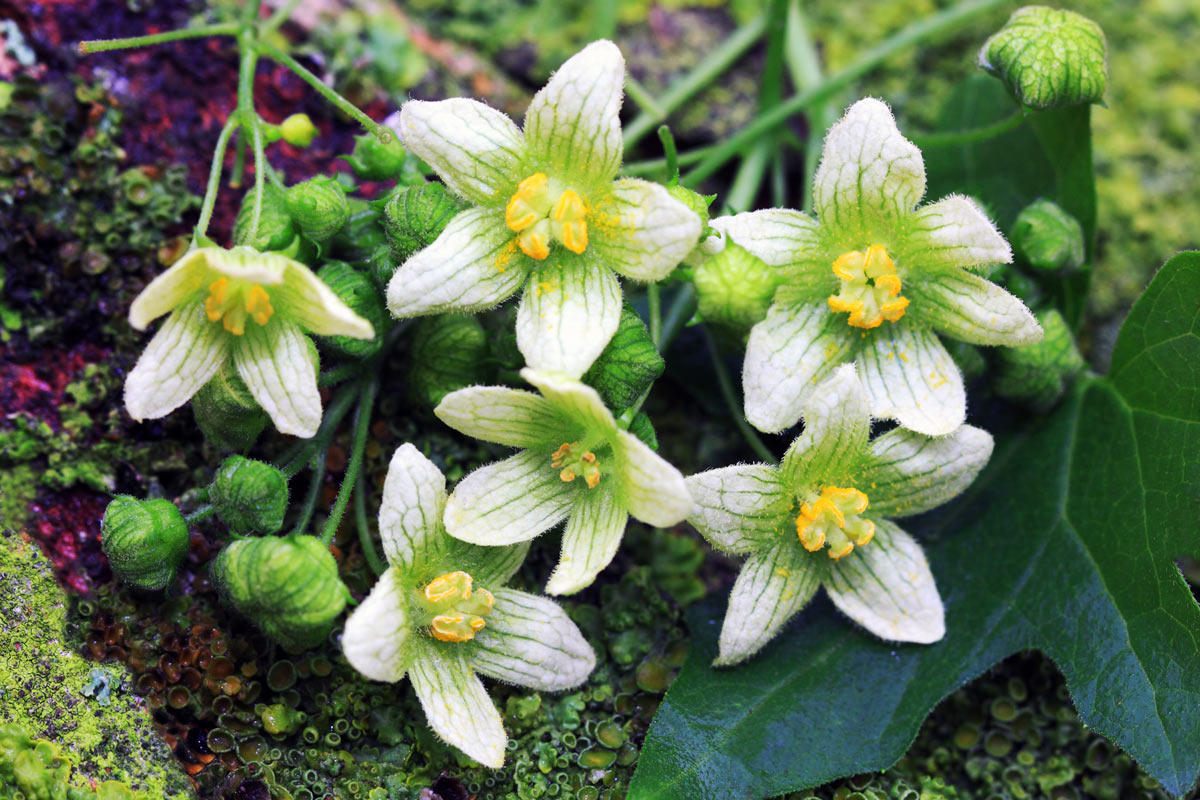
[509, 501]
[868, 171]
[567, 316]
[954, 232]
[309, 301]
[182, 356]
[457, 706]
[886, 587]
[476, 150]
[530, 641]
[575, 400]
[573, 125]
[909, 473]
[911, 378]
[501, 415]
[739, 508]
[168, 290]
[776, 236]
[377, 640]
[410, 514]
[590, 540]
[773, 586]
[277, 364]
[972, 309]
[473, 265]
[489, 566]
[641, 231]
[788, 354]
[837, 424]
[650, 488]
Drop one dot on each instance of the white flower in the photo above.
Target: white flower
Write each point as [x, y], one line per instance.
[439, 614]
[548, 215]
[874, 282]
[823, 518]
[245, 305]
[575, 464]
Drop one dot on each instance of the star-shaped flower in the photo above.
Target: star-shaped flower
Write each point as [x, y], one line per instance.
[874, 281]
[439, 614]
[547, 214]
[823, 517]
[242, 304]
[575, 464]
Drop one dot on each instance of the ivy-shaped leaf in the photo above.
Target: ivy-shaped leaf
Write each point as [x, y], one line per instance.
[1065, 545]
[628, 365]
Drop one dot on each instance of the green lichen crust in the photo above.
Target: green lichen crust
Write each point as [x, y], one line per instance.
[1048, 57]
[107, 735]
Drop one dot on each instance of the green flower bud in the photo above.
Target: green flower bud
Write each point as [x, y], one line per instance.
[734, 288]
[373, 160]
[288, 587]
[298, 130]
[318, 207]
[357, 291]
[1048, 57]
[1048, 238]
[447, 352]
[249, 496]
[696, 202]
[414, 217]
[380, 265]
[145, 541]
[1038, 374]
[227, 413]
[275, 228]
[361, 234]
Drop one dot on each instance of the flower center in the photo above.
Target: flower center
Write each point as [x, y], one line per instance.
[457, 610]
[870, 287]
[232, 302]
[832, 518]
[575, 461]
[538, 214]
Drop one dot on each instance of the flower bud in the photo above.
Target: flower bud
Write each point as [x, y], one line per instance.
[275, 228]
[288, 587]
[373, 160]
[298, 130]
[1048, 238]
[318, 207]
[446, 355]
[145, 541]
[696, 202]
[249, 496]
[734, 288]
[357, 291]
[226, 412]
[1048, 57]
[1038, 374]
[414, 217]
[361, 234]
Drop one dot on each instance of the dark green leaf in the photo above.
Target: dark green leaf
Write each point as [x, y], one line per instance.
[1066, 545]
[628, 365]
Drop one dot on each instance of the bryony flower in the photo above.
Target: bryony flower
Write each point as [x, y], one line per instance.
[874, 281]
[245, 305]
[439, 614]
[547, 214]
[822, 517]
[575, 464]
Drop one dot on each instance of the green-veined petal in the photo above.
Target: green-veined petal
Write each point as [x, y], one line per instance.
[567, 315]
[456, 704]
[168, 290]
[278, 365]
[739, 508]
[910, 473]
[641, 231]
[575, 401]
[964, 306]
[776, 236]
[410, 514]
[182, 356]
[590, 540]
[377, 640]
[309, 301]
[501, 415]
[509, 501]
[649, 487]
[911, 378]
[772, 587]
[837, 424]
[955, 232]
[530, 641]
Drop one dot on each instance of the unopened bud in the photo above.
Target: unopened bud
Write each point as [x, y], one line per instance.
[318, 207]
[734, 288]
[1048, 238]
[1038, 374]
[298, 130]
[145, 541]
[415, 216]
[249, 496]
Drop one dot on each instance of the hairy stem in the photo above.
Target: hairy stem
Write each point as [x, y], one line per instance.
[365, 539]
[214, 176]
[358, 446]
[927, 141]
[104, 45]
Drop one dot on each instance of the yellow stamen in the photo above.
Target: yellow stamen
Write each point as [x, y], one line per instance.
[870, 289]
[570, 214]
[258, 304]
[574, 463]
[456, 611]
[832, 519]
[524, 208]
[541, 211]
[231, 302]
[447, 586]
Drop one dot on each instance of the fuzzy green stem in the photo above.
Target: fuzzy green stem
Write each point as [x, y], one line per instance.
[299, 454]
[201, 513]
[705, 72]
[280, 16]
[260, 171]
[928, 141]
[214, 176]
[105, 45]
[365, 539]
[908, 37]
[358, 446]
[337, 374]
[734, 405]
[239, 163]
[672, 157]
[274, 53]
[653, 300]
[652, 166]
[311, 494]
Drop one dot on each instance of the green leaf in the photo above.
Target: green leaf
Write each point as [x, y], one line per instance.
[628, 365]
[1065, 545]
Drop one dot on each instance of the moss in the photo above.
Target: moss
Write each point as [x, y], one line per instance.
[51, 692]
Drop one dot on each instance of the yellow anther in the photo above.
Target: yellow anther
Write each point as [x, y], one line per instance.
[447, 586]
[574, 461]
[870, 290]
[258, 304]
[570, 221]
[832, 519]
[214, 306]
[456, 610]
[540, 211]
[231, 302]
[528, 204]
[535, 243]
